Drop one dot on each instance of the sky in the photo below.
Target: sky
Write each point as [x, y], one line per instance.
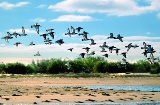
[137, 21]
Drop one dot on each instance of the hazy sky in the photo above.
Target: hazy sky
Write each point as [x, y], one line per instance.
[136, 20]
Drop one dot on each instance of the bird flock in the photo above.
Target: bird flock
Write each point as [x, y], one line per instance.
[148, 49]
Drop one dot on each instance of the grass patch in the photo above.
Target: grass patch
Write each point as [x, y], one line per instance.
[81, 75]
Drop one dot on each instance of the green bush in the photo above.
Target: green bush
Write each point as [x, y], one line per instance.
[141, 66]
[113, 68]
[42, 66]
[154, 68]
[101, 67]
[2, 68]
[89, 63]
[56, 66]
[77, 66]
[30, 69]
[15, 68]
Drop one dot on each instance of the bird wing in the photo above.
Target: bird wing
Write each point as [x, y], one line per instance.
[37, 29]
[120, 39]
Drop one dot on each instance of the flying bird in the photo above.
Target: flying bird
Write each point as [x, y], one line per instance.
[119, 37]
[82, 54]
[117, 50]
[105, 55]
[135, 46]
[104, 45]
[78, 29]
[92, 42]
[70, 49]
[111, 36]
[17, 43]
[103, 49]
[73, 30]
[84, 33]
[50, 32]
[68, 32]
[87, 49]
[7, 37]
[31, 43]
[60, 41]
[48, 41]
[92, 53]
[145, 53]
[23, 32]
[16, 34]
[44, 36]
[36, 26]
[111, 48]
[124, 54]
[37, 54]
[128, 46]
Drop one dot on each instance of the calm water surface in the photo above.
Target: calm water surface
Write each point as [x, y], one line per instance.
[134, 88]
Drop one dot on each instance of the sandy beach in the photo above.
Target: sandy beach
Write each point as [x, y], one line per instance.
[42, 90]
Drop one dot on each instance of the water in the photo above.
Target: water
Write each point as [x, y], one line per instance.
[134, 88]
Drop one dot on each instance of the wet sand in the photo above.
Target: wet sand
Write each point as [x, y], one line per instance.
[38, 90]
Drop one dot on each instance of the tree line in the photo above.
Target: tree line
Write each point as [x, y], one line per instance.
[79, 65]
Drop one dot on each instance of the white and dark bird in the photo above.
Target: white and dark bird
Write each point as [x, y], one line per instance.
[36, 26]
[79, 29]
[117, 50]
[73, 30]
[92, 53]
[92, 42]
[37, 54]
[31, 43]
[103, 49]
[111, 36]
[50, 32]
[129, 46]
[17, 43]
[105, 55]
[111, 48]
[16, 34]
[60, 41]
[124, 54]
[119, 37]
[87, 49]
[82, 54]
[23, 32]
[44, 36]
[7, 37]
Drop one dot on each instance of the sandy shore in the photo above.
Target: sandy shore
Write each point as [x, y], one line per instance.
[51, 90]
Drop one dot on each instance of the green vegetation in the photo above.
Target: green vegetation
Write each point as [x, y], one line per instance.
[87, 67]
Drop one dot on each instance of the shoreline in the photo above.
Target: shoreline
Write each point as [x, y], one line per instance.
[38, 90]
